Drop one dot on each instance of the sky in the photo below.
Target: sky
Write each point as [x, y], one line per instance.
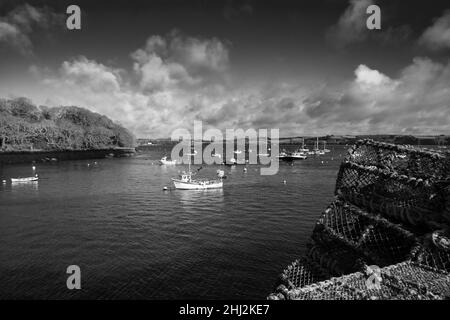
[305, 67]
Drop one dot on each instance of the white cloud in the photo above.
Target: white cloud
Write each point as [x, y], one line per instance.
[367, 76]
[351, 26]
[437, 36]
[374, 103]
[17, 25]
[168, 89]
[177, 60]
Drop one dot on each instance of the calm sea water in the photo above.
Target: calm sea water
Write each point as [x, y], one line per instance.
[132, 240]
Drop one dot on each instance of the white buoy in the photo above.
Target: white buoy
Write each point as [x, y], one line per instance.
[33, 167]
[4, 181]
[245, 169]
[165, 188]
[284, 181]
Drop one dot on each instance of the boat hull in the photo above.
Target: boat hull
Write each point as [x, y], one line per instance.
[167, 163]
[196, 185]
[24, 179]
[292, 158]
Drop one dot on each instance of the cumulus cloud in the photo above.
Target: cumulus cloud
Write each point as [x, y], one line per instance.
[351, 26]
[437, 36]
[17, 25]
[177, 79]
[177, 60]
[418, 100]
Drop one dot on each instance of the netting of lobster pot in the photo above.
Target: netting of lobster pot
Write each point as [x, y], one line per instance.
[391, 211]
[405, 199]
[402, 281]
[404, 160]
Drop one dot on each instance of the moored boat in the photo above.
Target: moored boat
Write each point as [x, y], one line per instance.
[164, 161]
[27, 179]
[186, 182]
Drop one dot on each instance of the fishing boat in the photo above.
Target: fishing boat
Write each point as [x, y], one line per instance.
[325, 150]
[164, 161]
[186, 182]
[27, 179]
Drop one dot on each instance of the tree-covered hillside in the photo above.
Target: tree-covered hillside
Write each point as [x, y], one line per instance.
[24, 126]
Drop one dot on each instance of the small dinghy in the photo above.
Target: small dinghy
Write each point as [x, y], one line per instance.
[27, 179]
[164, 161]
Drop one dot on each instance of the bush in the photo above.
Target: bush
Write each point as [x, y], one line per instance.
[25, 126]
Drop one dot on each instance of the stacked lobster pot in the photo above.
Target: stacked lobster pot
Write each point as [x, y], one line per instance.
[391, 215]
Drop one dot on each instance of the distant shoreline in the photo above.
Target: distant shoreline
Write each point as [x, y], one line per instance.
[25, 156]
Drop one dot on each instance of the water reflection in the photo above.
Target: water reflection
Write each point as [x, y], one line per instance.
[194, 199]
[30, 188]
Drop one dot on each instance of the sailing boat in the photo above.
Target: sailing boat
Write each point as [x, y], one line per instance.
[185, 182]
[317, 151]
[303, 149]
[325, 150]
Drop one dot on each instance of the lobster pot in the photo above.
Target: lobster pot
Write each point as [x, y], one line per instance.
[302, 272]
[334, 256]
[408, 200]
[434, 256]
[402, 281]
[409, 161]
[374, 240]
[447, 206]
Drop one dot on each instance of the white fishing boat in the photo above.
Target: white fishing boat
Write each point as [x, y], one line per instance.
[186, 182]
[27, 179]
[164, 161]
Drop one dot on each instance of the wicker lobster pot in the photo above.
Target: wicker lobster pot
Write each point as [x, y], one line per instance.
[409, 200]
[374, 239]
[419, 163]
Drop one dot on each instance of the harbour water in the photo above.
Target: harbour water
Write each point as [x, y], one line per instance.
[131, 239]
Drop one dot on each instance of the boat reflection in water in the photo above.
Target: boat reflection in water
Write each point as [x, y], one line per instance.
[191, 199]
